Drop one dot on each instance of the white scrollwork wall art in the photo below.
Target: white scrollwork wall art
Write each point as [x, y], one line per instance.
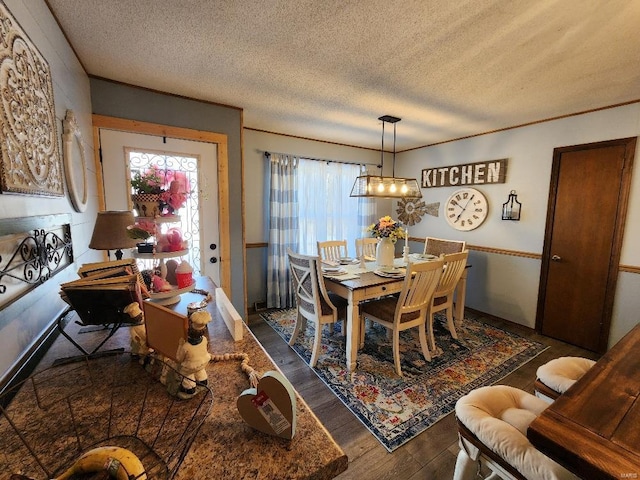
[30, 158]
[75, 164]
[411, 210]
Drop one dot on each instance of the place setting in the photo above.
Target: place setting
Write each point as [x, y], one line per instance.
[423, 256]
[391, 272]
[330, 270]
[347, 261]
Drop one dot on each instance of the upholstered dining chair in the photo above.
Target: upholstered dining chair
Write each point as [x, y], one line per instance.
[366, 246]
[409, 309]
[332, 250]
[313, 302]
[439, 246]
[454, 265]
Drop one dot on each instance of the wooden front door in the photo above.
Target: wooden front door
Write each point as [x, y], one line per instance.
[585, 219]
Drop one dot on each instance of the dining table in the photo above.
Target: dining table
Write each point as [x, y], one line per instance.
[593, 429]
[360, 281]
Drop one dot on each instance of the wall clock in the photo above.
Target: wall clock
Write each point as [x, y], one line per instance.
[466, 209]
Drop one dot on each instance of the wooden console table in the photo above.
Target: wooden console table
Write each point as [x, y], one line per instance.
[593, 429]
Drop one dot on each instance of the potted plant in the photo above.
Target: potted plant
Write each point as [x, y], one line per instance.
[158, 192]
[147, 187]
[143, 230]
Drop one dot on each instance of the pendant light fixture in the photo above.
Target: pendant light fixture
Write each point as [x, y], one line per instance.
[378, 186]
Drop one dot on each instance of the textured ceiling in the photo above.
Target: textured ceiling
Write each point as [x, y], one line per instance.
[328, 69]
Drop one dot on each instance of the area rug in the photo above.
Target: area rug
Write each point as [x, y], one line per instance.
[396, 409]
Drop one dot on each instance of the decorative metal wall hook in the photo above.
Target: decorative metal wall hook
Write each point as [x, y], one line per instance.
[512, 207]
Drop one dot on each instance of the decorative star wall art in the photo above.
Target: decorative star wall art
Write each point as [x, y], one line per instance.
[411, 210]
[30, 158]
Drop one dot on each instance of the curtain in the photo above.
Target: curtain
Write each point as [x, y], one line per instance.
[367, 211]
[283, 229]
[327, 212]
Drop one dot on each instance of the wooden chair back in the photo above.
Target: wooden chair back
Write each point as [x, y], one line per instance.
[454, 265]
[366, 246]
[332, 250]
[439, 246]
[417, 292]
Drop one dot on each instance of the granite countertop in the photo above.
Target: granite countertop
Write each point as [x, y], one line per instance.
[225, 447]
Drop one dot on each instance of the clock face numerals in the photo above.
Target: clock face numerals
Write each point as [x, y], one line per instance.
[466, 209]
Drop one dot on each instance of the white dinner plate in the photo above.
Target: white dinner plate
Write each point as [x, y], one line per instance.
[399, 274]
[424, 256]
[331, 271]
[392, 270]
[346, 261]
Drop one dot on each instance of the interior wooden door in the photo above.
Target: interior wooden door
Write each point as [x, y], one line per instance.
[587, 205]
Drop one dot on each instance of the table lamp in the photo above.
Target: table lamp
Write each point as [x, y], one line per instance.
[110, 232]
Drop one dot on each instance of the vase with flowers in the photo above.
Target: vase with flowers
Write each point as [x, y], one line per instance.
[388, 231]
[158, 191]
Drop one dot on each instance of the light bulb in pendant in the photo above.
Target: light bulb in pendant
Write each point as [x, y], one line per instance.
[381, 187]
[392, 188]
[404, 188]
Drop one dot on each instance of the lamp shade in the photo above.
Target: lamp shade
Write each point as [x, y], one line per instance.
[385, 187]
[110, 231]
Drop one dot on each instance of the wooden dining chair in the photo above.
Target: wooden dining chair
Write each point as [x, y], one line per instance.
[366, 246]
[454, 265]
[439, 246]
[409, 309]
[332, 250]
[313, 302]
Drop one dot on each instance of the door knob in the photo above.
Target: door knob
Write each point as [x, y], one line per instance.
[556, 258]
[213, 260]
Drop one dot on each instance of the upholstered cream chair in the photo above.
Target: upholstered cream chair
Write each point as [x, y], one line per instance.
[454, 265]
[366, 246]
[409, 309]
[492, 430]
[557, 375]
[439, 246]
[332, 250]
[313, 302]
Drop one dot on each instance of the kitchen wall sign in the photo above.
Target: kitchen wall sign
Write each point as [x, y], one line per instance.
[478, 173]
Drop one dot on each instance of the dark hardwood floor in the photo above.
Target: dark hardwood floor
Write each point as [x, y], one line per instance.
[432, 454]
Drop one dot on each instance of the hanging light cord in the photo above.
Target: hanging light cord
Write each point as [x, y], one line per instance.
[393, 171]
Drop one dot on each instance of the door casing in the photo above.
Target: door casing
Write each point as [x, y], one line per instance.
[125, 125]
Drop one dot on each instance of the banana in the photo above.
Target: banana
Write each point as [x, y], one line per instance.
[120, 463]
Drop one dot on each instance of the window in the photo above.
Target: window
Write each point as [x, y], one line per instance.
[325, 209]
[189, 223]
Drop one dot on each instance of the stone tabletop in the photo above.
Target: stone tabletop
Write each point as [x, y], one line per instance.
[225, 447]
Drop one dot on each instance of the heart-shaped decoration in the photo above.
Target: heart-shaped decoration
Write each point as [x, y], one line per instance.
[271, 407]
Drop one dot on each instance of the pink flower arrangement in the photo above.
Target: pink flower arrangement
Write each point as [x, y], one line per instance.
[142, 229]
[176, 195]
[172, 186]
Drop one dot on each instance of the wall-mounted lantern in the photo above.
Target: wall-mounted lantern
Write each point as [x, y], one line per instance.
[511, 208]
